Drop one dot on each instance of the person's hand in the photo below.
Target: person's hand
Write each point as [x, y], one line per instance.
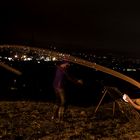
[126, 98]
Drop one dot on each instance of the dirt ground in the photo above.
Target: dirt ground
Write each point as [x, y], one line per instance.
[28, 120]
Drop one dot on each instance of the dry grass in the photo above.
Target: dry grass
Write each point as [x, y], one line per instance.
[26, 120]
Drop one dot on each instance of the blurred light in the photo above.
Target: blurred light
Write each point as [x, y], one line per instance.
[10, 59]
[23, 57]
[29, 59]
[128, 69]
[16, 56]
[54, 58]
[47, 59]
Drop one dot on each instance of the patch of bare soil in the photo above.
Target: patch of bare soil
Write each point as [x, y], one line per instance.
[27, 120]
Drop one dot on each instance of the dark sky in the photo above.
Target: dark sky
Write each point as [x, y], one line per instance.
[112, 25]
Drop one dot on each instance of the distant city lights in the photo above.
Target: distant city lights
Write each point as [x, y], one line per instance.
[38, 55]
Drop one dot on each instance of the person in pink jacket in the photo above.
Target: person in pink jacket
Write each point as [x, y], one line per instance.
[58, 84]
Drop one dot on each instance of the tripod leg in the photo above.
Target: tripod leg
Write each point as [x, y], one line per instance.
[105, 91]
[114, 105]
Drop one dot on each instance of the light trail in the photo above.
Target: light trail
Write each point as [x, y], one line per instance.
[62, 56]
[7, 67]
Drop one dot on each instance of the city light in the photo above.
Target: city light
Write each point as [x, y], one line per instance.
[40, 55]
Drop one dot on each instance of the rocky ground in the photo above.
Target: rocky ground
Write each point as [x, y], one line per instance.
[29, 120]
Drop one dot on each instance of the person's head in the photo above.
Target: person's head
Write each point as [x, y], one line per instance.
[64, 64]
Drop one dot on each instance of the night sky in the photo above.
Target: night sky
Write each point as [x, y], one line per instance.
[110, 25]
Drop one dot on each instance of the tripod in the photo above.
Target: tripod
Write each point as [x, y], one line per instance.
[109, 90]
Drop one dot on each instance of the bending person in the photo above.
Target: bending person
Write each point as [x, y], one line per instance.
[58, 84]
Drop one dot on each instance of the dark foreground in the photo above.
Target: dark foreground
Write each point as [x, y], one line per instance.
[29, 120]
